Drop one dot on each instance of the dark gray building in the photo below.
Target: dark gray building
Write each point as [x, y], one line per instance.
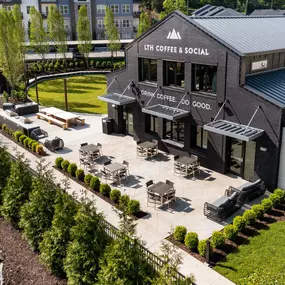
[211, 86]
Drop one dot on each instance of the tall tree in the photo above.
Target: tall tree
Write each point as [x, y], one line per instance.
[38, 35]
[5, 164]
[84, 33]
[17, 189]
[37, 213]
[56, 30]
[112, 33]
[88, 241]
[11, 46]
[171, 5]
[55, 241]
[143, 24]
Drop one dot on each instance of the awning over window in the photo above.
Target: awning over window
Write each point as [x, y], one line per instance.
[117, 99]
[165, 112]
[234, 130]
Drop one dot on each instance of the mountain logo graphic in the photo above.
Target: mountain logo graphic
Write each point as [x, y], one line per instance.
[174, 35]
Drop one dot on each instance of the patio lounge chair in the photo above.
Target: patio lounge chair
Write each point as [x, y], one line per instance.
[38, 134]
[55, 144]
[233, 200]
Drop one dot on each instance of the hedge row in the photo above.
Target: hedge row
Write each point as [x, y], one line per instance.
[27, 142]
[123, 201]
[230, 231]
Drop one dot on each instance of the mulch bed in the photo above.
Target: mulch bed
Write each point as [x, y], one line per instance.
[275, 215]
[22, 146]
[21, 264]
[139, 215]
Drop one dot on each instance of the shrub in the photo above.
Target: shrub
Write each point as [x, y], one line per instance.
[79, 173]
[202, 247]
[50, 66]
[65, 164]
[281, 194]
[218, 239]
[82, 63]
[230, 232]
[34, 146]
[95, 183]
[109, 64]
[71, 64]
[191, 240]
[180, 233]
[88, 178]
[39, 149]
[258, 210]
[26, 142]
[22, 137]
[267, 204]
[17, 135]
[4, 127]
[31, 143]
[249, 217]
[105, 190]
[72, 167]
[76, 64]
[133, 207]
[98, 65]
[124, 201]
[239, 223]
[58, 162]
[91, 62]
[115, 195]
[275, 199]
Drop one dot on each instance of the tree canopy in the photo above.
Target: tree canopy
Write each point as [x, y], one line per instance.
[143, 23]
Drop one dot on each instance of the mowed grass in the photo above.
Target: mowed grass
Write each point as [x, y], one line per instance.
[265, 251]
[82, 94]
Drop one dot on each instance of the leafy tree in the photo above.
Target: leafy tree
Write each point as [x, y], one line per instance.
[5, 164]
[19, 30]
[57, 33]
[171, 5]
[17, 189]
[143, 23]
[84, 33]
[123, 262]
[171, 260]
[112, 33]
[55, 241]
[11, 47]
[88, 241]
[38, 35]
[37, 213]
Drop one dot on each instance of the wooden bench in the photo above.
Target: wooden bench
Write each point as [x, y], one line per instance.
[52, 120]
[81, 120]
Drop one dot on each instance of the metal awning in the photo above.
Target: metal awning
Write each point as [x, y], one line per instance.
[234, 130]
[117, 99]
[165, 112]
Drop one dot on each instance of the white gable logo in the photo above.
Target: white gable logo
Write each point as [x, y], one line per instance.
[174, 35]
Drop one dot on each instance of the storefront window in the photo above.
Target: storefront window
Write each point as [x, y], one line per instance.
[199, 137]
[173, 73]
[204, 78]
[148, 69]
[174, 131]
[151, 124]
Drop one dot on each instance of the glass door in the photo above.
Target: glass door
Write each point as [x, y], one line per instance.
[129, 121]
[236, 149]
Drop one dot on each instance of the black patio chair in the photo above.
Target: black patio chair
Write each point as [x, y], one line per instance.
[55, 144]
[38, 134]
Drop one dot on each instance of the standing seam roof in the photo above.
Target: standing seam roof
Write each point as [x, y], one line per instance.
[245, 35]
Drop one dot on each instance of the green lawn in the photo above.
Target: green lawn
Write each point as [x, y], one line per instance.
[82, 94]
[265, 251]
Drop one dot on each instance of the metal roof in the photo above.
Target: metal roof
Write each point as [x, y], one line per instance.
[245, 35]
[165, 112]
[209, 10]
[270, 85]
[234, 130]
[267, 12]
[117, 99]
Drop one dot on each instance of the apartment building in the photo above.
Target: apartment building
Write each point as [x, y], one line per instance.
[124, 12]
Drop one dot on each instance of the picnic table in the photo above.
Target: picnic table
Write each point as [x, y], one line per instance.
[160, 188]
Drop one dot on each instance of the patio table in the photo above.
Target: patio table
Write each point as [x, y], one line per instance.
[161, 189]
[187, 162]
[114, 168]
[90, 148]
[148, 145]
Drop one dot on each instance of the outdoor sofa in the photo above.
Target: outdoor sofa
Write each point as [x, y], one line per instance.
[55, 144]
[233, 199]
[38, 134]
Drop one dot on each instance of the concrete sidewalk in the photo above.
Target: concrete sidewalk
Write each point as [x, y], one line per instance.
[149, 234]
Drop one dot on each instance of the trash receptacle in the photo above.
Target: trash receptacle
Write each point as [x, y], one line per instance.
[107, 125]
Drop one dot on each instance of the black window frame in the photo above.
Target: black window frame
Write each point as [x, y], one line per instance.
[172, 127]
[203, 78]
[166, 64]
[195, 141]
[146, 75]
[151, 124]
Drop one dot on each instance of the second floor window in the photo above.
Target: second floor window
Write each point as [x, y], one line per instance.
[117, 23]
[115, 8]
[125, 8]
[100, 23]
[147, 69]
[173, 73]
[100, 9]
[63, 9]
[126, 23]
